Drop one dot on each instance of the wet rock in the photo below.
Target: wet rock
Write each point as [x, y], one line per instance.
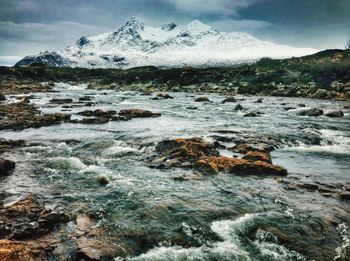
[238, 107]
[344, 195]
[138, 113]
[85, 98]
[239, 166]
[206, 167]
[91, 249]
[22, 115]
[84, 223]
[229, 99]
[301, 105]
[186, 177]
[60, 101]
[102, 180]
[257, 155]
[28, 218]
[14, 251]
[311, 112]
[2, 97]
[260, 100]
[164, 96]
[94, 120]
[202, 99]
[347, 106]
[335, 114]
[6, 167]
[245, 148]
[97, 113]
[186, 148]
[251, 114]
[203, 157]
[9, 144]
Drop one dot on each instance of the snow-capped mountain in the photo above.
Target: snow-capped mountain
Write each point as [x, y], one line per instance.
[135, 44]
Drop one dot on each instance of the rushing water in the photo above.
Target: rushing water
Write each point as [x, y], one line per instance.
[224, 217]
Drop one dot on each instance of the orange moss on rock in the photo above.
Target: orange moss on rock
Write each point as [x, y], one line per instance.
[257, 155]
[238, 166]
[14, 251]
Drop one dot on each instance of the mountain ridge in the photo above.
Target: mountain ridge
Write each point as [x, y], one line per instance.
[136, 44]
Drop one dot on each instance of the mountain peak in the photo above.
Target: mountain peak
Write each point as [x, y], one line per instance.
[197, 26]
[135, 23]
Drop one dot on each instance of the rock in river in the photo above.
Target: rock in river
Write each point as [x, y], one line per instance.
[138, 113]
[238, 107]
[311, 112]
[6, 166]
[202, 99]
[229, 99]
[203, 156]
[335, 114]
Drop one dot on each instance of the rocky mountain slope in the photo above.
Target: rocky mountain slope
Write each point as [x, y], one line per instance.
[135, 44]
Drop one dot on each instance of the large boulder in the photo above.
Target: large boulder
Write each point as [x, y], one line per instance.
[27, 218]
[237, 166]
[202, 156]
[321, 94]
[311, 112]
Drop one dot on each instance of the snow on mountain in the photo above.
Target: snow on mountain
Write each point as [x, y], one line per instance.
[135, 44]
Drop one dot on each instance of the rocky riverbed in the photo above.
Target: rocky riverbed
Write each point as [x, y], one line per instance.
[91, 174]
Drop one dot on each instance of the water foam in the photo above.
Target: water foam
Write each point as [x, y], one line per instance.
[332, 141]
[234, 246]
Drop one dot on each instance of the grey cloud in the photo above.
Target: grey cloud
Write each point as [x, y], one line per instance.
[214, 7]
[249, 26]
[35, 37]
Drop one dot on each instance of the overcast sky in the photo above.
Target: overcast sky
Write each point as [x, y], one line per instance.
[31, 26]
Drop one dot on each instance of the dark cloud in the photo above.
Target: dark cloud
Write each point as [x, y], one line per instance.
[30, 26]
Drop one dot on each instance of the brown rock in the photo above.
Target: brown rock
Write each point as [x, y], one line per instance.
[344, 195]
[243, 166]
[91, 248]
[138, 113]
[186, 149]
[102, 180]
[229, 99]
[14, 251]
[206, 167]
[347, 106]
[257, 155]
